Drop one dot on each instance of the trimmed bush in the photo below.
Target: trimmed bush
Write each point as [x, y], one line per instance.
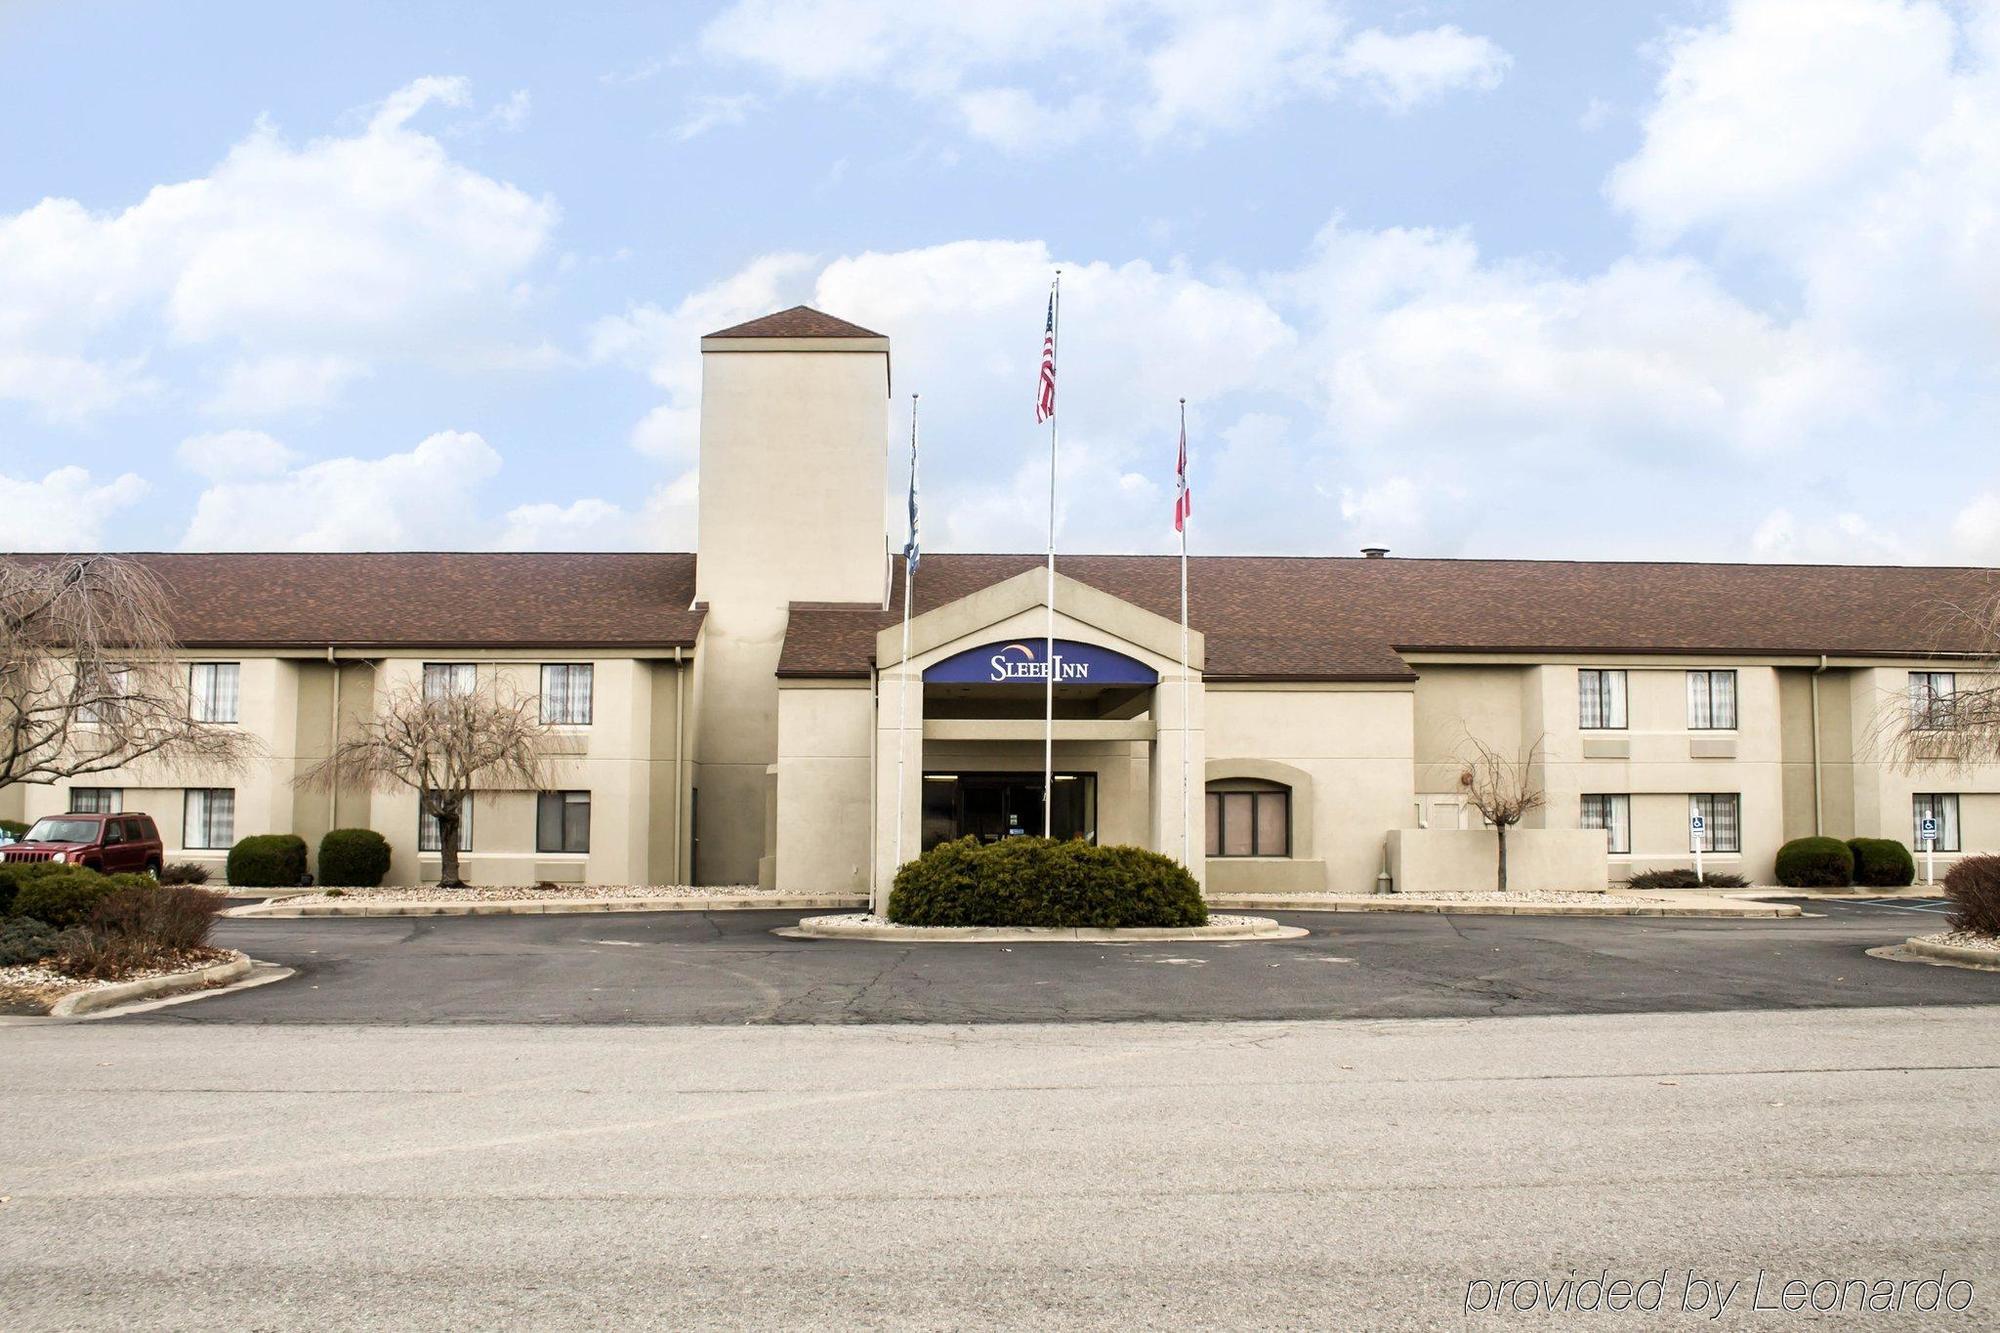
[14, 829]
[1973, 885]
[172, 918]
[1037, 882]
[68, 896]
[355, 857]
[26, 941]
[14, 874]
[184, 872]
[268, 861]
[1882, 863]
[1815, 863]
[1683, 878]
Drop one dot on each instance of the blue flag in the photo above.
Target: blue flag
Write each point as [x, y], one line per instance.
[911, 552]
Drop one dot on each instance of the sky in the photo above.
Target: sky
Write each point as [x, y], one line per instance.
[1689, 279]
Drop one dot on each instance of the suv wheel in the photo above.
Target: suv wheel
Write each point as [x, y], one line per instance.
[153, 869]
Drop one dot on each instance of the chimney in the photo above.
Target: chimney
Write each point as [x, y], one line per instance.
[1375, 552]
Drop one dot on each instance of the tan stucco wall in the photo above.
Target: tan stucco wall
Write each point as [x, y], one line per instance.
[793, 452]
[1451, 860]
[824, 821]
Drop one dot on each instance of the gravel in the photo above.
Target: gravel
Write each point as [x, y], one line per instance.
[42, 982]
[1965, 939]
[520, 893]
[1495, 896]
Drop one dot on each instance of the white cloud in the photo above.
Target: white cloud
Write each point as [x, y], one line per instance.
[1158, 67]
[422, 499]
[1842, 538]
[282, 382]
[708, 113]
[64, 511]
[233, 455]
[665, 522]
[338, 251]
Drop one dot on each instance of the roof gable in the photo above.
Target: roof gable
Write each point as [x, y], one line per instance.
[801, 321]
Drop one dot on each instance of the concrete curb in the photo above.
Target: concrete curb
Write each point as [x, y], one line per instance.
[550, 906]
[823, 928]
[83, 1002]
[1984, 960]
[1390, 902]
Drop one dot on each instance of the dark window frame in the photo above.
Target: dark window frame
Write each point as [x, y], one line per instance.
[1215, 822]
[568, 806]
[1605, 699]
[1951, 826]
[1610, 826]
[1935, 711]
[433, 844]
[1735, 708]
[1714, 847]
[590, 698]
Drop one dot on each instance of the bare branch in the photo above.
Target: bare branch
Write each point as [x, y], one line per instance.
[1502, 790]
[1955, 728]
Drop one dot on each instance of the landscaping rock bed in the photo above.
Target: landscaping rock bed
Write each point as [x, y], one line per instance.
[522, 893]
[38, 986]
[1965, 939]
[1510, 896]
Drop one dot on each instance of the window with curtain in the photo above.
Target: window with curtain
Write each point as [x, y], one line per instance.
[430, 839]
[1613, 814]
[1941, 806]
[444, 679]
[1711, 700]
[1723, 813]
[1249, 819]
[1932, 694]
[1600, 699]
[212, 691]
[562, 821]
[96, 800]
[209, 817]
[566, 693]
[104, 693]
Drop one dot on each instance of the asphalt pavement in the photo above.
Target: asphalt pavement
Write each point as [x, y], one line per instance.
[728, 968]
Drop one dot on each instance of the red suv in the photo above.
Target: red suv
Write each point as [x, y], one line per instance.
[110, 843]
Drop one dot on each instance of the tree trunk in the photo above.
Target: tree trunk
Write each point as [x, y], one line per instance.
[1501, 829]
[448, 852]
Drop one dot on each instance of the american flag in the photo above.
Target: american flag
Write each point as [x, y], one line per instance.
[1045, 395]
[1183, 497]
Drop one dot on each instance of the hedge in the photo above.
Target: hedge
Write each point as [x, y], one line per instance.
[354, 857]
[14, 829]
[1815, 863]
[1038, 882]
[1973, 885]
[14, 874]
[1882, 863]
[1683, 878]
[69, 896]
[268, 861]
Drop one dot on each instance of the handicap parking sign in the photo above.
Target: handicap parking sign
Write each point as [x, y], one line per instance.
[1697, 823]
[1930, 830]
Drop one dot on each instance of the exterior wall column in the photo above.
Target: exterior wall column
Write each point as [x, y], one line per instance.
[896, 726]
[1177, 733]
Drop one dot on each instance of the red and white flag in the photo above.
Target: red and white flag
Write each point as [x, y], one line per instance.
[1183, 497]
[1045, 393]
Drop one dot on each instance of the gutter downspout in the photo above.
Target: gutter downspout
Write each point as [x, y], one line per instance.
[333, 743]
[1818, 802]
[875, 904]
[681, 866]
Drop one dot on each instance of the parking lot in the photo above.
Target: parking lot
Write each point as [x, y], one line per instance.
[728, 968]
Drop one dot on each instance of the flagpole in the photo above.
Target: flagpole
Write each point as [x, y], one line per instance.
[903, 694]
[1049, 651]
[1187, 690]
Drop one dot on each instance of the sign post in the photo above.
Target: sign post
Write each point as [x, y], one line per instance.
[1698, 826]
[1930, 832]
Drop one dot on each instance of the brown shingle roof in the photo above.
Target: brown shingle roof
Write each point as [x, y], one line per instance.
[429, 599]
[801, 321]
[1346, 618]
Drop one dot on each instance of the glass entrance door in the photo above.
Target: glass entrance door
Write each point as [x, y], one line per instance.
[994, 806]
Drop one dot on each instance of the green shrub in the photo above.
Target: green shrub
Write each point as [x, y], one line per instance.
[68, 896]
[184, 872]
[26, 941]
[1973, 885]
[1683, 878]
[1882, 863]
[13, 874]
[1036, 882]
[1815, 863]
[14, 829]
[268, 861]
[356, 857]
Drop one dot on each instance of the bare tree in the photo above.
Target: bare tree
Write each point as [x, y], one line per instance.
[443, 744]
[1956, 727]
[1502, 790]
[90, 679]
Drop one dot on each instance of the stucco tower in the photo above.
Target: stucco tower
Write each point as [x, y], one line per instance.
[794, 428]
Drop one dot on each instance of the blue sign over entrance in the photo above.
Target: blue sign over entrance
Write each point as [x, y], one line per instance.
[1021, 663]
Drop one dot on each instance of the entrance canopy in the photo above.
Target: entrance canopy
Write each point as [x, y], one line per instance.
[1021, 662]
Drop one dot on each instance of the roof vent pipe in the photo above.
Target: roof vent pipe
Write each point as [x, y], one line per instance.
[1375, 552]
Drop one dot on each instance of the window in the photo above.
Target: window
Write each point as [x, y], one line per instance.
[96, 800]
[566, 694]
[430, 839]
[1723, 815]
[1249, 819]
[211, 817]
[1600, 700]
[562, 821]
[1613, 814]
[212, 691]
[1711, 700]
[1941, 806]
[1932, 696]
[444, 679]
[103, 694]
